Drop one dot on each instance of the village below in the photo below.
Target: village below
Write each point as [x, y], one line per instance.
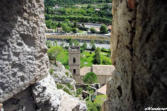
[78, 39]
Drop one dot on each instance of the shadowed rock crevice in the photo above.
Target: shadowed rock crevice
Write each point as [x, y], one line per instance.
[138, 53]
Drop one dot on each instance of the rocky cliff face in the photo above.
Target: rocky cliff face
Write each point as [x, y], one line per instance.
[44, 96]
[63, 78]
[23, 59]
[25, 84]
[138, 47]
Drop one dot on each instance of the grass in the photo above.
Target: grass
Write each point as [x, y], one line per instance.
[63, 58]
[86, 59]
[105, 58]
[100, 99]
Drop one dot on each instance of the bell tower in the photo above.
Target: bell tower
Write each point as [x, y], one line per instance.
[74, 60]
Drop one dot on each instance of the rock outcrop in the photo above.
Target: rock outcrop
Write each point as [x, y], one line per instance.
[23, 58]
[138, 52]
[63, 78]
[44, 96]
[49, 98]
[24, 66]
[62, 75]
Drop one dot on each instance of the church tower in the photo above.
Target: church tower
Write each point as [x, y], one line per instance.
[74, 61]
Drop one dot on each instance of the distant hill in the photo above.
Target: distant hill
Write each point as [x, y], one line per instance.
[62, 2]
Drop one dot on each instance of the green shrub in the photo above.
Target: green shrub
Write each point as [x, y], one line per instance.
[49, 43]
[67, 74]
[106, 61]
[79, 91]
[67, 91]
[54, 51]
[59, 86]
[84, 46]
[51, 71]
[91, 106]
[70, 86]
[74, 30]
[96, 105]
[103, 29]
[93, 47]
[92, 30]
[90, 78]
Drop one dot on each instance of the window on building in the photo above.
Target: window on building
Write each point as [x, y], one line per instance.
[74, 60]
[74, 71]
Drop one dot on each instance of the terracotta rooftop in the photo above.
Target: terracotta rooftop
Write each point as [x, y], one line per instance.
[102, 90]
[103, 69]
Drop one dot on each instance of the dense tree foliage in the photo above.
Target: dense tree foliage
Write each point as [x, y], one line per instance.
[63, 2]
[75, 11]
[90, 78]
[97, 59]
[103, 29]
[66, 28]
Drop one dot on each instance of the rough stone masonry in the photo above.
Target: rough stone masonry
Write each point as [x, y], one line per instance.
[139, 54]
[23, 59]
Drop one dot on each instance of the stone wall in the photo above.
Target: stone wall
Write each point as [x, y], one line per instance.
[138, 53]
[23, 58]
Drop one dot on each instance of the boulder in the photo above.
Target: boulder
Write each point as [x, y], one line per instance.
[49, 98]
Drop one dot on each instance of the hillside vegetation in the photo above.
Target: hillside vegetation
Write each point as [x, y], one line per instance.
[59, 12]
[63, 2]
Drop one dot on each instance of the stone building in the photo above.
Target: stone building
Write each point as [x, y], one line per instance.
[74, 61]
[103, 72]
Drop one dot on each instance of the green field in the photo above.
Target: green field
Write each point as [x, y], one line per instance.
[88, 57]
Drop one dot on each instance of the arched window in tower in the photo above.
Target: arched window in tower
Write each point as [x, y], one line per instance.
[74, 60]
[74, 71]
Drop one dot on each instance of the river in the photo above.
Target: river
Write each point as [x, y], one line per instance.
[100, 45]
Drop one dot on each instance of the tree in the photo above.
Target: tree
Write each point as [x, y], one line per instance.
[59, 24]
[70, 41]
[75, 24]
[97, 59]
[49, 43]
[92, 30]
[66, 28]
[84, 46]
[54, 51]
[90, 78]
[103, 29]
[74, 30]
[93, 47]
[76, 43]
